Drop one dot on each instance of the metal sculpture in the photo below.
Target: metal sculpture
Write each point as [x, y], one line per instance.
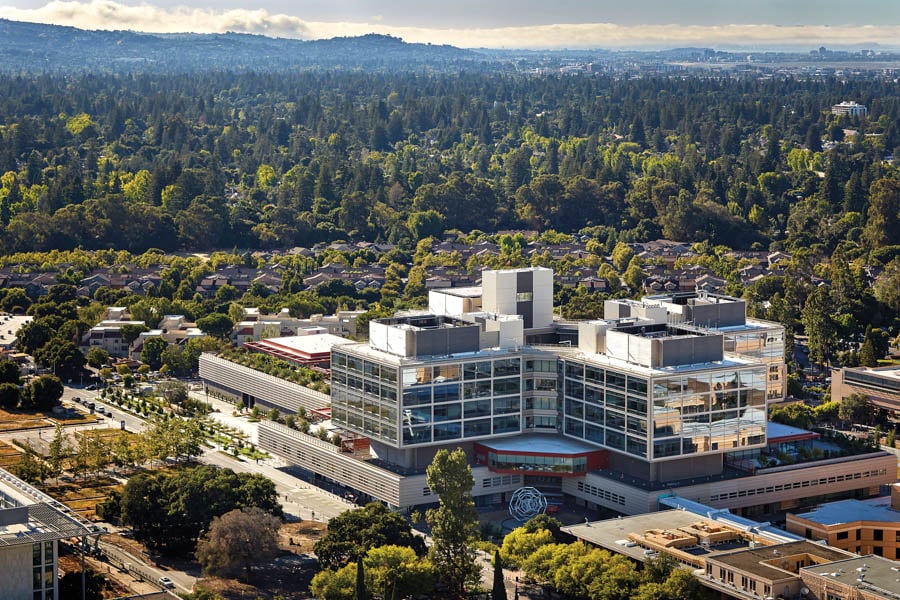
[527, 502]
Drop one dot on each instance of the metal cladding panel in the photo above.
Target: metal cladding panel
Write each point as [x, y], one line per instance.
[16, 572]
[445, 341]
[718, 314]
[327, 460]
[631, 348]
[378, 335]
[542, 309]
[437, 303]
[272, 391]
[688, 350]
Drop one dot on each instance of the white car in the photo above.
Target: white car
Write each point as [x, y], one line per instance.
[166, 582]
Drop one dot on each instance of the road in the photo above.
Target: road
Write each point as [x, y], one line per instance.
[299, 499]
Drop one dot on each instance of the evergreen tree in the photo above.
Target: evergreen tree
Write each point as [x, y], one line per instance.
[498, 591]
[454, 524]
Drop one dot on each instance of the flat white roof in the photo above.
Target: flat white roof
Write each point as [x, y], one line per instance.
[848, 511]
[307, 344]
[474, 291]
[545, 444]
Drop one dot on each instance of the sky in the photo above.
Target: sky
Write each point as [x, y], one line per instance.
[500, 23]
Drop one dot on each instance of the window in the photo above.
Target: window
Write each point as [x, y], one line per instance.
[878, 535]
[842, 535]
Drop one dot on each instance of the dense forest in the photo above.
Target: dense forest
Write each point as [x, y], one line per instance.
[243, 161]
[253, 160]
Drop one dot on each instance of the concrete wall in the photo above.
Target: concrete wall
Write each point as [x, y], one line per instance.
[15, 572]
[783, 487]
[397, 490]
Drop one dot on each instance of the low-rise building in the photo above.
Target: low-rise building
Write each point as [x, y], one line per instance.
[851, 108]
[879, 385]
[31, 525]
[860, 526]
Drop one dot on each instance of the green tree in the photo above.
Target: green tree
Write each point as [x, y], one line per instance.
[97, 357]
[818, 321]
[62, 356]
[9, 372]
[131, 332]
[883, 225]
[44, 392]
[169, 511]
[335, 585]
[33, 335]
[454, 524]
[152, 351]
[498, 590]
[855, 409]
[398, 571]
[237, 541]
[95, 585]
[887, 286]
[425, 224]
[352, 533]
[621, 256]
[58, 451]
[867, 356]
[520, 543]
[360, 581]
[10, 395]
[31, 468]
[173, 392]
[216, 324]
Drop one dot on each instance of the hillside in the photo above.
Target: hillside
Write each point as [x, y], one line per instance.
[33, 47]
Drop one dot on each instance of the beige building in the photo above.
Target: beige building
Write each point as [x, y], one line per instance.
[880, 385]
[863, 527]
[742, 559]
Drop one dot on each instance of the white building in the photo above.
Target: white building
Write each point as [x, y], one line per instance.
[31, 525]
[850, 108]
[668, 393]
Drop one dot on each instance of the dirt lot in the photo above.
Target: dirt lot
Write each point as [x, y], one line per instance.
[9, 455]
[114, 588]
[289, 577]
[83, 495]
[14, 420]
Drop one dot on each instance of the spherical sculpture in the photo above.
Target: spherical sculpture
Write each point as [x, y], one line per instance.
[527, 502]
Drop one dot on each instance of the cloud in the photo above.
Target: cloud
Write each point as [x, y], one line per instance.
[108, 14]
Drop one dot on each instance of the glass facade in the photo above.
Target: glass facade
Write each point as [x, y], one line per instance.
[546, 464]
[665, 416]
[437, 402]
[42, 570]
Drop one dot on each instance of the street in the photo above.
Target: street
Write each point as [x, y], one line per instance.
[299, 499]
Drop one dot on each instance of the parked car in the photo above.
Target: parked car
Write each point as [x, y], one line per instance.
[166, 582]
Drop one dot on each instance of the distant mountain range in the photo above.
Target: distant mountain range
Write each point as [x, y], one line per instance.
[32, 47]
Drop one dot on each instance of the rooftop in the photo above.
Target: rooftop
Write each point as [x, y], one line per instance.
[849, 511]
[865, 573]
[780, 432]
[461, 292]
[542, 443]
[303, 345]
[775, 562]
[28, 515]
